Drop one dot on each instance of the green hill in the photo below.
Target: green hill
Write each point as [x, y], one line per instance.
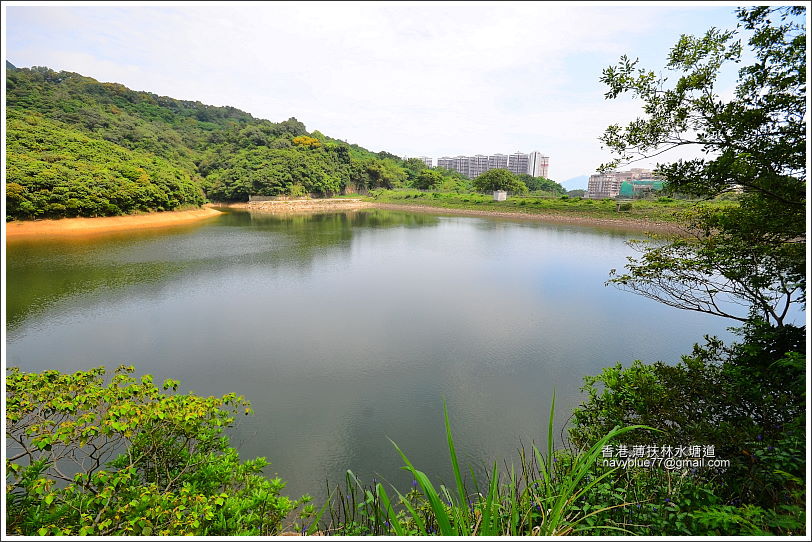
[79, 147]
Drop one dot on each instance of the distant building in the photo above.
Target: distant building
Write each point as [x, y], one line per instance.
[498, 161]
[462, 164]
[534, 164]
[603, 185]
[477, 165]
[445, 162]
[622, 183]
[537, 164]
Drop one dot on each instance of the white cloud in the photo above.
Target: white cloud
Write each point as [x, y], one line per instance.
[410, 78]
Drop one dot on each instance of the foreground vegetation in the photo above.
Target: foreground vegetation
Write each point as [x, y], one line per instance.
[91, 453]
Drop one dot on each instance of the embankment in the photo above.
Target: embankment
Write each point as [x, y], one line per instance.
[301, 205]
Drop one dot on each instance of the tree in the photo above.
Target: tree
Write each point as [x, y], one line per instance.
[428, 179]
[306, 141]
[746, 261]
[88, 456]
[541, 184]
[413, 167]
[499, 179]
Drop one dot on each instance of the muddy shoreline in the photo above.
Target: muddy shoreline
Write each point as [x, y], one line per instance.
[67, 227]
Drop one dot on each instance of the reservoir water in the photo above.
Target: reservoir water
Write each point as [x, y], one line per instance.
[347, 329]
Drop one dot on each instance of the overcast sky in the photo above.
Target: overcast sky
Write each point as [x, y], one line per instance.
[411, 78]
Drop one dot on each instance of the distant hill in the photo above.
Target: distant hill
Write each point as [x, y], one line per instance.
[80, 147]
[576, 183]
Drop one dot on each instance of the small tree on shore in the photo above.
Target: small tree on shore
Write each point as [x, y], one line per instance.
[499, 179]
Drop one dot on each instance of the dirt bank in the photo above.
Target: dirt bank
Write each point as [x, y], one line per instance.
[344, 204]
[300, 205]
[83, 226]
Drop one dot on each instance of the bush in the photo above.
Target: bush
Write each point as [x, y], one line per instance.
[747, 400]
[150, 461]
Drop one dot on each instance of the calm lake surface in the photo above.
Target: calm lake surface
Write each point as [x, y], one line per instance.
[344, 329]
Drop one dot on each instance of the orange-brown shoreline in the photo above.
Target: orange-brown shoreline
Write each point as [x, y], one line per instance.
[83, 226]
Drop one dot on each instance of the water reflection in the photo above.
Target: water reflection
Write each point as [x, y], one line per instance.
[344, 329]
[99, 266]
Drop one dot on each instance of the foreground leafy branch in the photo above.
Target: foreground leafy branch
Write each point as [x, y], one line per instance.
[746, 262]
[127, 457]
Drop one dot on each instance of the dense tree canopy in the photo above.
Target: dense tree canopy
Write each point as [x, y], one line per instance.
[541, 184]
[92, 453]
[427, 179]
[75, 147]
[54, 171]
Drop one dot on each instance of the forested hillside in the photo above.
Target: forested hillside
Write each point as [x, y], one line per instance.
[78, 147]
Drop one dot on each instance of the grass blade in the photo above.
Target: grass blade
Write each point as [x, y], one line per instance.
[437, 506]
[390, 512]
[463, 502]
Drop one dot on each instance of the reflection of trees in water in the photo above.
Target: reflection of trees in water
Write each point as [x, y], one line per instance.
[41, 274]
[298, 222]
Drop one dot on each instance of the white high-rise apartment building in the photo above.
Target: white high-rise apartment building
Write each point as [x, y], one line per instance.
[537, 164]
[462, 164]
[477, 165]
[534, 164]
[517, 163]
[498, 161]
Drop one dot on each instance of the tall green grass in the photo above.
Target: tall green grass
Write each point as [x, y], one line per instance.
[542, 499]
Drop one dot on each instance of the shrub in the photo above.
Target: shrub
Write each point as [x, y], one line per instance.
[150, 460]
[747, 400]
